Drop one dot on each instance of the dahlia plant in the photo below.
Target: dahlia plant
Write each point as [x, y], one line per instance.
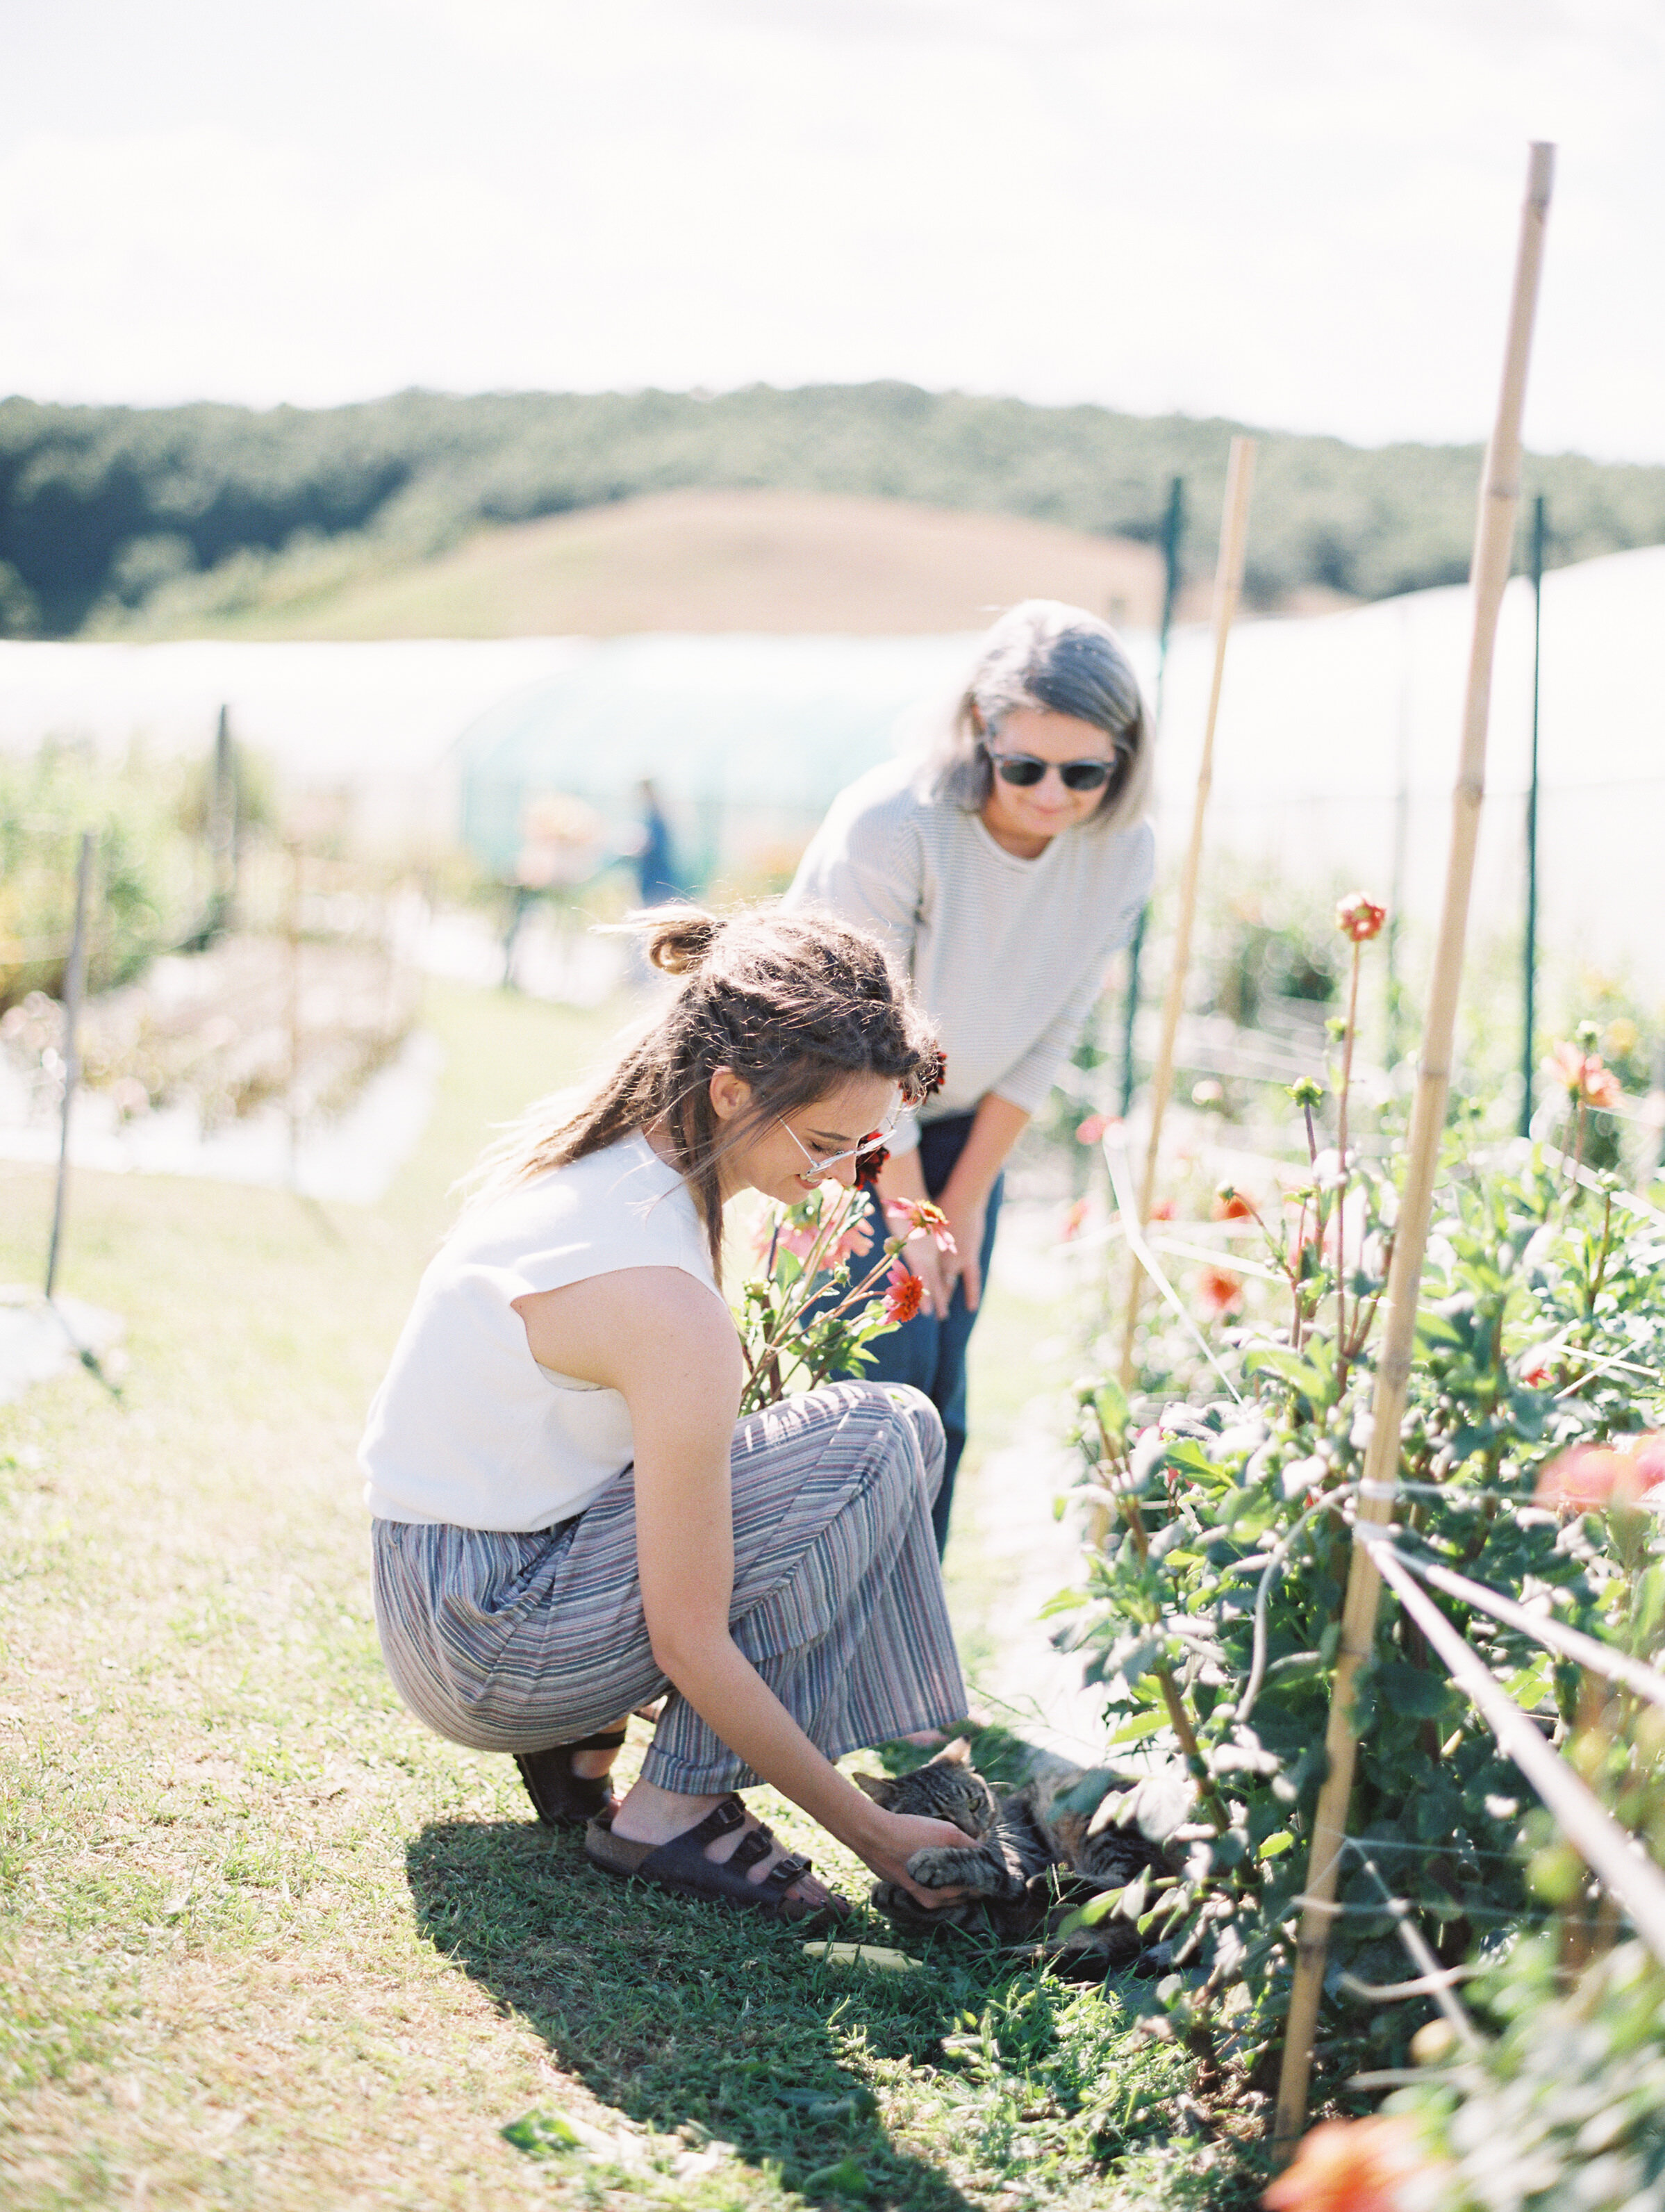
[814, 1308]
[1212, 1614]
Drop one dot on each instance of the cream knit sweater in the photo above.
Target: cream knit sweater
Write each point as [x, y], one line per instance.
[1007, 955]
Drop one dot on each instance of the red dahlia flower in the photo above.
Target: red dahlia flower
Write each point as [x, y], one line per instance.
[1590, 1477]
[919, 1216]
[902, 1300]
[1585, 1075]
[1355, 2165]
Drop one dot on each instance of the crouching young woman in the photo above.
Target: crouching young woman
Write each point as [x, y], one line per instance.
[571, 1521]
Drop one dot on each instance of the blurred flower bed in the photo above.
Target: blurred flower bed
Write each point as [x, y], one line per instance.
[212, 1030]
[152, 871]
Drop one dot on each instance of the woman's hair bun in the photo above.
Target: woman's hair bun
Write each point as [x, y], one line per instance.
[678, 937]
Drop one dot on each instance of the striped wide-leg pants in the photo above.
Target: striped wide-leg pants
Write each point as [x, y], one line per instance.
[517, 1643]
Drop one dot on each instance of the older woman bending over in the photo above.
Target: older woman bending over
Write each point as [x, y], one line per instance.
[1002, 871]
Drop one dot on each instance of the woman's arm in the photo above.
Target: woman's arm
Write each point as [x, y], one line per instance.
[994, 1130]
[669, 1347]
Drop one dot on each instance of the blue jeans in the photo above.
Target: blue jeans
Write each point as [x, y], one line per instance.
[927, 1353]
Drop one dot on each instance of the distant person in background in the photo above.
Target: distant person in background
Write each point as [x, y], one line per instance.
[1003, 869]
[562, 840]
[657, 880]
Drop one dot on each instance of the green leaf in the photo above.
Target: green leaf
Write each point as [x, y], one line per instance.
[1434, 1329]
[844, 2180]
[1087, 1794]
[1411, 1690]
[1141, 1725]
[1276, 1846]
[1292, 1366]
[1063, 1601]
[1097, 1908]
[542, 2134]
[858, 2103]
[1110, 1403]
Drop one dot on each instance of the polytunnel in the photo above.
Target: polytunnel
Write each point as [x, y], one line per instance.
[746, 738]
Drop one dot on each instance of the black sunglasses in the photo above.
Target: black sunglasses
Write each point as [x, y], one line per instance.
[1026, 769]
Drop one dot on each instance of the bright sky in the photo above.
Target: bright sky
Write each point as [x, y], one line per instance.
[1300, 213]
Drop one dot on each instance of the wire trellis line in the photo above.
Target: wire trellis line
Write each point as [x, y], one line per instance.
[1115, 1160]
[1606, 1848]
[1572, 1642]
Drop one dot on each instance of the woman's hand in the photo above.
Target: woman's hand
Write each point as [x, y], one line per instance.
[995, 1128]
[893, 1839]
[934, 1269]
[899, 1180]
[966, 1219]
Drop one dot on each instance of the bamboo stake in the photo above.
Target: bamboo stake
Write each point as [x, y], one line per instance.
[1173, 535]
[1529, 948]
[1494, 531]
[1228, 589]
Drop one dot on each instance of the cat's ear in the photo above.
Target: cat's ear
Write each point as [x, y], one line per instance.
[881, 1788]
[957, 1753]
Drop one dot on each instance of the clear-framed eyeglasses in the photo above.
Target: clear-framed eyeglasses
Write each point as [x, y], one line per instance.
[825, 1163]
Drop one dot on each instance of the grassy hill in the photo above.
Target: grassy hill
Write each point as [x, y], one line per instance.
[106, 512]
[770, 560]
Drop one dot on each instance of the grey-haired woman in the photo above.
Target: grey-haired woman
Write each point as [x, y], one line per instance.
[1003, 870]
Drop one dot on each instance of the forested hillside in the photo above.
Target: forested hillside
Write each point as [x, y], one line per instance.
[103, 508]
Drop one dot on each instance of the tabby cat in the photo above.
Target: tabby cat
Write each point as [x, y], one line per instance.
[1031, 1858]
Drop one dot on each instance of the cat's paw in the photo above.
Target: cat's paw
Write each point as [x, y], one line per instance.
[940, 1867]
[891, 1899]
[903, 1911]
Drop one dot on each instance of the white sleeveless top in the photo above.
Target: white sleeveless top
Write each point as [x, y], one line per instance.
[467, 1427]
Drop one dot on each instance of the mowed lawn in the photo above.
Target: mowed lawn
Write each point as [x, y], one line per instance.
[265, 1943]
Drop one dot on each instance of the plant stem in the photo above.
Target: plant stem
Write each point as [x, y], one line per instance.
[1361, 1330]
[1603, 1256]
[1178, 1717]
[1296, 1330]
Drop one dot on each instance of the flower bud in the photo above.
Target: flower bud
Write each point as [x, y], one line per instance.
[1357, 918]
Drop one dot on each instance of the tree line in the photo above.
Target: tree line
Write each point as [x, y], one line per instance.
[102, 506]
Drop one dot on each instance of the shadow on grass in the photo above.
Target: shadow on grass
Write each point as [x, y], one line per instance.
[672, 2011]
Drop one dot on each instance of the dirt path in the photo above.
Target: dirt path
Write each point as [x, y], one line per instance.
[1010, 1551]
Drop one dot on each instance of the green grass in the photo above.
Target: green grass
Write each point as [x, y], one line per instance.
[266, 1942]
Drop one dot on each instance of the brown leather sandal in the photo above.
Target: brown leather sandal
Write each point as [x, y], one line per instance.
[563, 1799]
[682, 1866]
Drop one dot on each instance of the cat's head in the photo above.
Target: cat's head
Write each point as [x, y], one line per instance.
[946, 1788]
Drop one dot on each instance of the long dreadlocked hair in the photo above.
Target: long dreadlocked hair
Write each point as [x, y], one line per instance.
[795, 1003]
